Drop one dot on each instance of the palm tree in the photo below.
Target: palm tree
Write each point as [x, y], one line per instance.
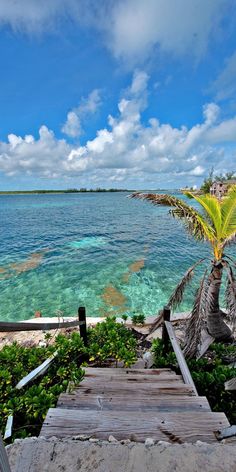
[216, 224]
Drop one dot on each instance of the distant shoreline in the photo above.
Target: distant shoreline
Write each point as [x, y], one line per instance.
[40, 192]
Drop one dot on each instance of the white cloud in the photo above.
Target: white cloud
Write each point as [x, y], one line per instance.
[72, 126]
[30, 15]
[127, 150]
[88, 106]
[131, 29]
[176, 27]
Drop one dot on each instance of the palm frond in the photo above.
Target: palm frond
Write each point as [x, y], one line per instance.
[230, 295]
[194, 325]
[195, 223]
[228, 211]
[177, 295]
[230, 240]
[212, 209]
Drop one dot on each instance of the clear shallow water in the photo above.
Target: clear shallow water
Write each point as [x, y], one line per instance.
[100, 250]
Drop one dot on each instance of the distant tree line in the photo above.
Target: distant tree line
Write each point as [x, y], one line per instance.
[69, 190]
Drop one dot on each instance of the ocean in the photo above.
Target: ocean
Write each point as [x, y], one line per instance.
[104, 251]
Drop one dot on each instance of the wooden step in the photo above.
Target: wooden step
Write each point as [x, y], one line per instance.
[124, 371]
[131, 402]
[139, 379]
[166, 426]
[133, 378]
[148, 388]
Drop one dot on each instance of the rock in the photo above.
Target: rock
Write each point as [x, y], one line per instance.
[148, 357]
[164, 443]
[149, 442]
[42, 344]
[81, 437]
[200, 443]
[94, 440]
[125, 441]
[112, 439]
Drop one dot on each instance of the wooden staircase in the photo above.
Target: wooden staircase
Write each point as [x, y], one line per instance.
[134, 404]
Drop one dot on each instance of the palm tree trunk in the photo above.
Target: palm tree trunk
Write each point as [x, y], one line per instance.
[215, 323]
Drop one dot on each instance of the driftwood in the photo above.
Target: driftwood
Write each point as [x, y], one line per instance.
[8, 326]
[227, 432]
[4, 463]
[206, 341]
[180, 357]
[230, 384]
[8, 430]
[40, 370]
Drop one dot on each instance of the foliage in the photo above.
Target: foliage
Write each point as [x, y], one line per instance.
[211, 178]
[31, 404]
[124, 317]
[216, 224]
[209, 374]
[208, 181]
[111, 340]
[138, 319]
[108, 340]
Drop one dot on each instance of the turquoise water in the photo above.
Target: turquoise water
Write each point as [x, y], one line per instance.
[100, 250]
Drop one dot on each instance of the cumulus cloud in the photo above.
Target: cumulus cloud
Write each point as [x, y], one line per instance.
[128, 150]
[88, 106]
[131, 29]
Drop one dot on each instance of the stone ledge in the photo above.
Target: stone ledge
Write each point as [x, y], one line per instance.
[67, 455]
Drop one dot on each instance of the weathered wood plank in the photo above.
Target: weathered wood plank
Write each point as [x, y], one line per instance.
[125, 371]
[133, 378]
[133, 403]
[206, 341]
[149, 389]
[172, 427]
[180, 357]
[230, 384]
[227, 432]
[129, 382]
[38, 371]
[4, 463]
[8, 326]
[9, 425]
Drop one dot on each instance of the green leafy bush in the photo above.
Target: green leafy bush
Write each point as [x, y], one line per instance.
[30, 404]
[209, 375]
[111, 340]
[138, 319]
[108, 340]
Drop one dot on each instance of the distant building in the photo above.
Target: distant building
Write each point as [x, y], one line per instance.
[219, 189]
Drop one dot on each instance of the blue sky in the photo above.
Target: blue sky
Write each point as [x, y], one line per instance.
[126, 93]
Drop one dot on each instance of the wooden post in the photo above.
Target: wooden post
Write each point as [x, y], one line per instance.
[4, 464]
[83, 327]
[165, 336]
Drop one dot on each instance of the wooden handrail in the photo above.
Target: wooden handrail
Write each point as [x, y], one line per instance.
[180, 357]
[4, 463]
[8, 326]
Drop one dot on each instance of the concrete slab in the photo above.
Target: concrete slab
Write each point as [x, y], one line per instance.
[53, 455]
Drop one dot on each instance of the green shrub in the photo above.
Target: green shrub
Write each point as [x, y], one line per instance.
[108, 340]
[30, 404]
[138, 319]
[209, 375]
[111, 340]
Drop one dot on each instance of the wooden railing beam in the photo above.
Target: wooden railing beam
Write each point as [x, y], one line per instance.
[4, 463]
[180, 357]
